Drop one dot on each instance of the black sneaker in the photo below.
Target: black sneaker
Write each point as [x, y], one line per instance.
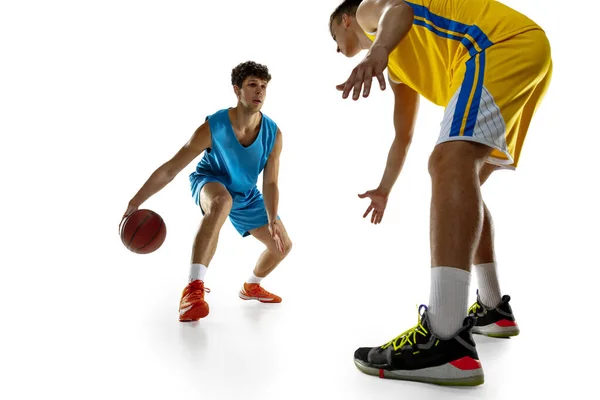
[496, 322]
[418, 355]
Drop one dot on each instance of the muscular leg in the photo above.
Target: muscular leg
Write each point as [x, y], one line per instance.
[456, 204]
[485, 260]
[485, 248]
[216, 202]
[271, 257]
[456, 226]
[268, 260]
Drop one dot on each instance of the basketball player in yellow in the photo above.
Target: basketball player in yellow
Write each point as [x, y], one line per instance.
[489, 66]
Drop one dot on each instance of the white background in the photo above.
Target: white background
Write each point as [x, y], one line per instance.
[95, 95]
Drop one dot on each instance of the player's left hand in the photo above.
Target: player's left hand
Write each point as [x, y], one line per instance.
[277, 235]
[371, 66]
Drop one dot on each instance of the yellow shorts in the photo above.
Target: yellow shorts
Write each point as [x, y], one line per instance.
[496, 93]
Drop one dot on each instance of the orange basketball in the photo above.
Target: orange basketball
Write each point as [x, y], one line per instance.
[143, 231]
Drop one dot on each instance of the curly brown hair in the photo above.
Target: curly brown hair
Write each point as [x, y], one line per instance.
[246, 69]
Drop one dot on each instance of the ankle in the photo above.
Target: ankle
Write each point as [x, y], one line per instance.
[254, 279]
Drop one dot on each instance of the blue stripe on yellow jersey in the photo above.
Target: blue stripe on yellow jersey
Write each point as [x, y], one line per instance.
[445, 35]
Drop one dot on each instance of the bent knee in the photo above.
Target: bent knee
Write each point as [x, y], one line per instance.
[486, 171]
[220, 205]
[442, 158]
[287, 248]
[457, 156]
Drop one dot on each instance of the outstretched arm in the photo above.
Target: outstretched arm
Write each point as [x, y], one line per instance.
[406, 106]
[200, 141]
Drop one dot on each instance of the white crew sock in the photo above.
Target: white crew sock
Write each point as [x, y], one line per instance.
[488, 285]
[197, 272]
[448, 300]
[254, 279]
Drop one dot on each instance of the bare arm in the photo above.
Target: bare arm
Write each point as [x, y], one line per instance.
[200, 141]
[270, 178]
[406, 106]
[391, 19]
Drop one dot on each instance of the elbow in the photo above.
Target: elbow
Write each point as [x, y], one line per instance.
[270, 187]
[167, 173]
[409, 137]
[404, 132]
[404, 138]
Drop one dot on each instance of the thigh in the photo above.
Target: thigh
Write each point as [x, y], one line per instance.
[491, 90]
[469, 114]
[248, 212]
[263, 235]
[486, 171]
[215, 195]
[517, 134]
[515, 71]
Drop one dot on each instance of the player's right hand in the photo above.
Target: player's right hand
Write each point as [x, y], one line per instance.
[371, 66]
[130, 209]
[379, 200]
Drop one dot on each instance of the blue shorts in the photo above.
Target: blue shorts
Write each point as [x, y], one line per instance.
[247, 211]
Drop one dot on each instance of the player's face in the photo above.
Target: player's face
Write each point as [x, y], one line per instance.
[345, 38]
[253, 93]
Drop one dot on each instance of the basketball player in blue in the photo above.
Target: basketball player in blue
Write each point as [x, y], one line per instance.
[238, 144]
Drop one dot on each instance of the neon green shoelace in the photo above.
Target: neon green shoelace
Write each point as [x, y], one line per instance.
[475, 307]
[409, 337]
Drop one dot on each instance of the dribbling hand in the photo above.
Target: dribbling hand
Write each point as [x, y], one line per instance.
[130, 209]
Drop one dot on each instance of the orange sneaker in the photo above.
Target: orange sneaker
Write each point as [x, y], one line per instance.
[253, 291]
[192, 306]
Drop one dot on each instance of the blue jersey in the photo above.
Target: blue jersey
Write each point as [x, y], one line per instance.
[227, 161]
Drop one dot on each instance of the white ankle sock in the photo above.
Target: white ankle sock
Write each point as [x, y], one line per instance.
[197, 272]
[488, 285]
[254, 279]
[448, 300]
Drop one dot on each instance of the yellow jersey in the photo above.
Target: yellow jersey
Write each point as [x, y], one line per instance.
[444, 35]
